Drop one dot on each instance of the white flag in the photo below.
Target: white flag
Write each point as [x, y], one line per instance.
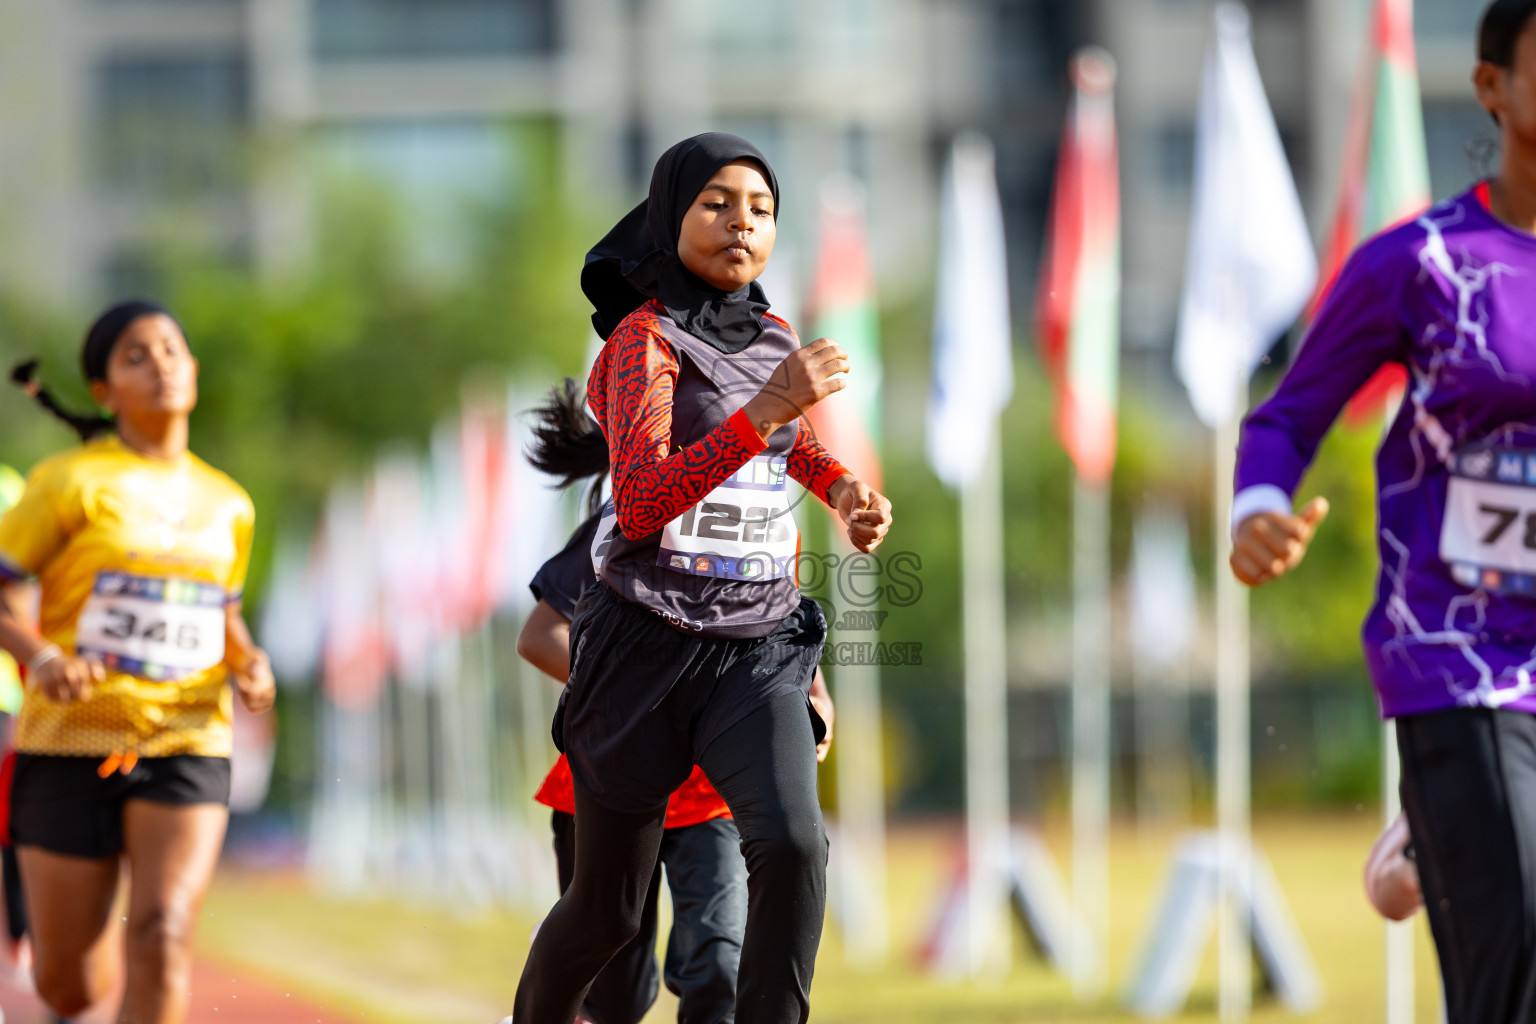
[972, 333]
[1162, 589]
[1251, 265]
[292, 623]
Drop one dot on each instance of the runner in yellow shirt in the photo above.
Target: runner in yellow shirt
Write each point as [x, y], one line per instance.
[140, 550]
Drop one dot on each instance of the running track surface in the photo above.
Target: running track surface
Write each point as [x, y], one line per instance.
[220, 995]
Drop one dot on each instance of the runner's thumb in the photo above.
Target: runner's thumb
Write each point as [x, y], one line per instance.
[1315, 511]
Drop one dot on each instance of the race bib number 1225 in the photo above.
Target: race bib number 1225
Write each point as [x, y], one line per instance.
[743, 530]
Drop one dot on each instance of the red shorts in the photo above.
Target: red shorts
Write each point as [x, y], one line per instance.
[694, 802]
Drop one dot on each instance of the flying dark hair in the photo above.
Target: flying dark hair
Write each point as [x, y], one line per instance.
[100, 340]
[1501, 27]
[567, 442]
[24, 376]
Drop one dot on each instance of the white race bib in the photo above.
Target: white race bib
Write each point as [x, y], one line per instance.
[152, 627]
[1488, 537]
[743, 530]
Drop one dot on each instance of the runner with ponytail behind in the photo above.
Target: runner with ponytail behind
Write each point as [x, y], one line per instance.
[696, 647]
[139, 550]
[1450, 641]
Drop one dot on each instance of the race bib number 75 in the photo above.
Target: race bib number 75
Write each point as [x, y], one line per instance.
[151, 627]
[1489, 534]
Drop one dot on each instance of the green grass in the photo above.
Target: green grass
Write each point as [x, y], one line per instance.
[377, 960]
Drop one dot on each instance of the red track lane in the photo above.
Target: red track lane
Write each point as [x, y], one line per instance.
[220, 995]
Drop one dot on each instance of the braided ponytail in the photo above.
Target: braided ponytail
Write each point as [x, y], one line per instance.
[567, 443]
[24, 376]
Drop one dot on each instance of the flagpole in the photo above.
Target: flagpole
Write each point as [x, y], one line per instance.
[1090, 734]
[986, 714]
[1399, 934]
[861, 812]
[1234, 960]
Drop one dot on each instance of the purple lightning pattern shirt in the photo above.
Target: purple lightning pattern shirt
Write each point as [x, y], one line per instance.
[1452, 295]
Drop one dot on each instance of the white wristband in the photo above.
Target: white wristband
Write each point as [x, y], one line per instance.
[1258, 498]
[43, 657]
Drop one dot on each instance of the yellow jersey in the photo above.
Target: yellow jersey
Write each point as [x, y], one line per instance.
[137, 560]
[11, 486]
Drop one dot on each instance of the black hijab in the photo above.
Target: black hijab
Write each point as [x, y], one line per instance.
[638, 259]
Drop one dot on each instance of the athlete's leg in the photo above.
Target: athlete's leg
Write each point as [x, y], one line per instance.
[73, 956]
[172, 850]
[765, 768]
[598, 915]
[708, 880]
[1469, 789]
[627, 986]
[15, 905]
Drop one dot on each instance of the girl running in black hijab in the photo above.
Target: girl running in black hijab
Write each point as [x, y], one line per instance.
[696, 647]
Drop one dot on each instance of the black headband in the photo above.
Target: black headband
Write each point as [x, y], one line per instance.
[103, 335]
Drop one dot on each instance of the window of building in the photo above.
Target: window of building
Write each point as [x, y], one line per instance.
[171, 126]
[1175, 156]
[436, 173]
[1446, 17]
[373, 29]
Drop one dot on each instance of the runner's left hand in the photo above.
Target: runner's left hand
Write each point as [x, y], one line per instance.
[866, 511]
[254, 682]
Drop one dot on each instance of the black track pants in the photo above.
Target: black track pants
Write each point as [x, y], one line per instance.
[765, 768]
[1469, 789]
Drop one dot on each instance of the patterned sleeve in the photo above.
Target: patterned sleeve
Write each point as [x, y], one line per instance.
[652, 484]
[813, 467]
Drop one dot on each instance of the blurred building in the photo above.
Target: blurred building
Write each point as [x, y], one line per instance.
[127, 125]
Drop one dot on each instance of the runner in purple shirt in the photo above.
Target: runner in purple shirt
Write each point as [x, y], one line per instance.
[1450, 641]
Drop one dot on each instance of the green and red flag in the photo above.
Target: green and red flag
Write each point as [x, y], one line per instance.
[842, 307]
[1079, 295]
[1386, 168]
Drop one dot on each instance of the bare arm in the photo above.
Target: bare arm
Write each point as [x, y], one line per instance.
[545, 642]
[57, 675]
[18, 633]
[248, 666]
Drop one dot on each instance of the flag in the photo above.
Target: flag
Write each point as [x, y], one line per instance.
[355, 654]
[1162, 585]
[292, 624]
[843, 309]
[408, 565]
[1251, 266]
[1079, 294]
[972, 333]
[486, 511]
[1386, 168]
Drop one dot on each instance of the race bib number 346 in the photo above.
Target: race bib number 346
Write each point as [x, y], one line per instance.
[154, 628]
[1489, 534]
[742, 530]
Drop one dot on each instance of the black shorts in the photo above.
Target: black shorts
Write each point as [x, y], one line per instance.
[645, 701]
[61, 804]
